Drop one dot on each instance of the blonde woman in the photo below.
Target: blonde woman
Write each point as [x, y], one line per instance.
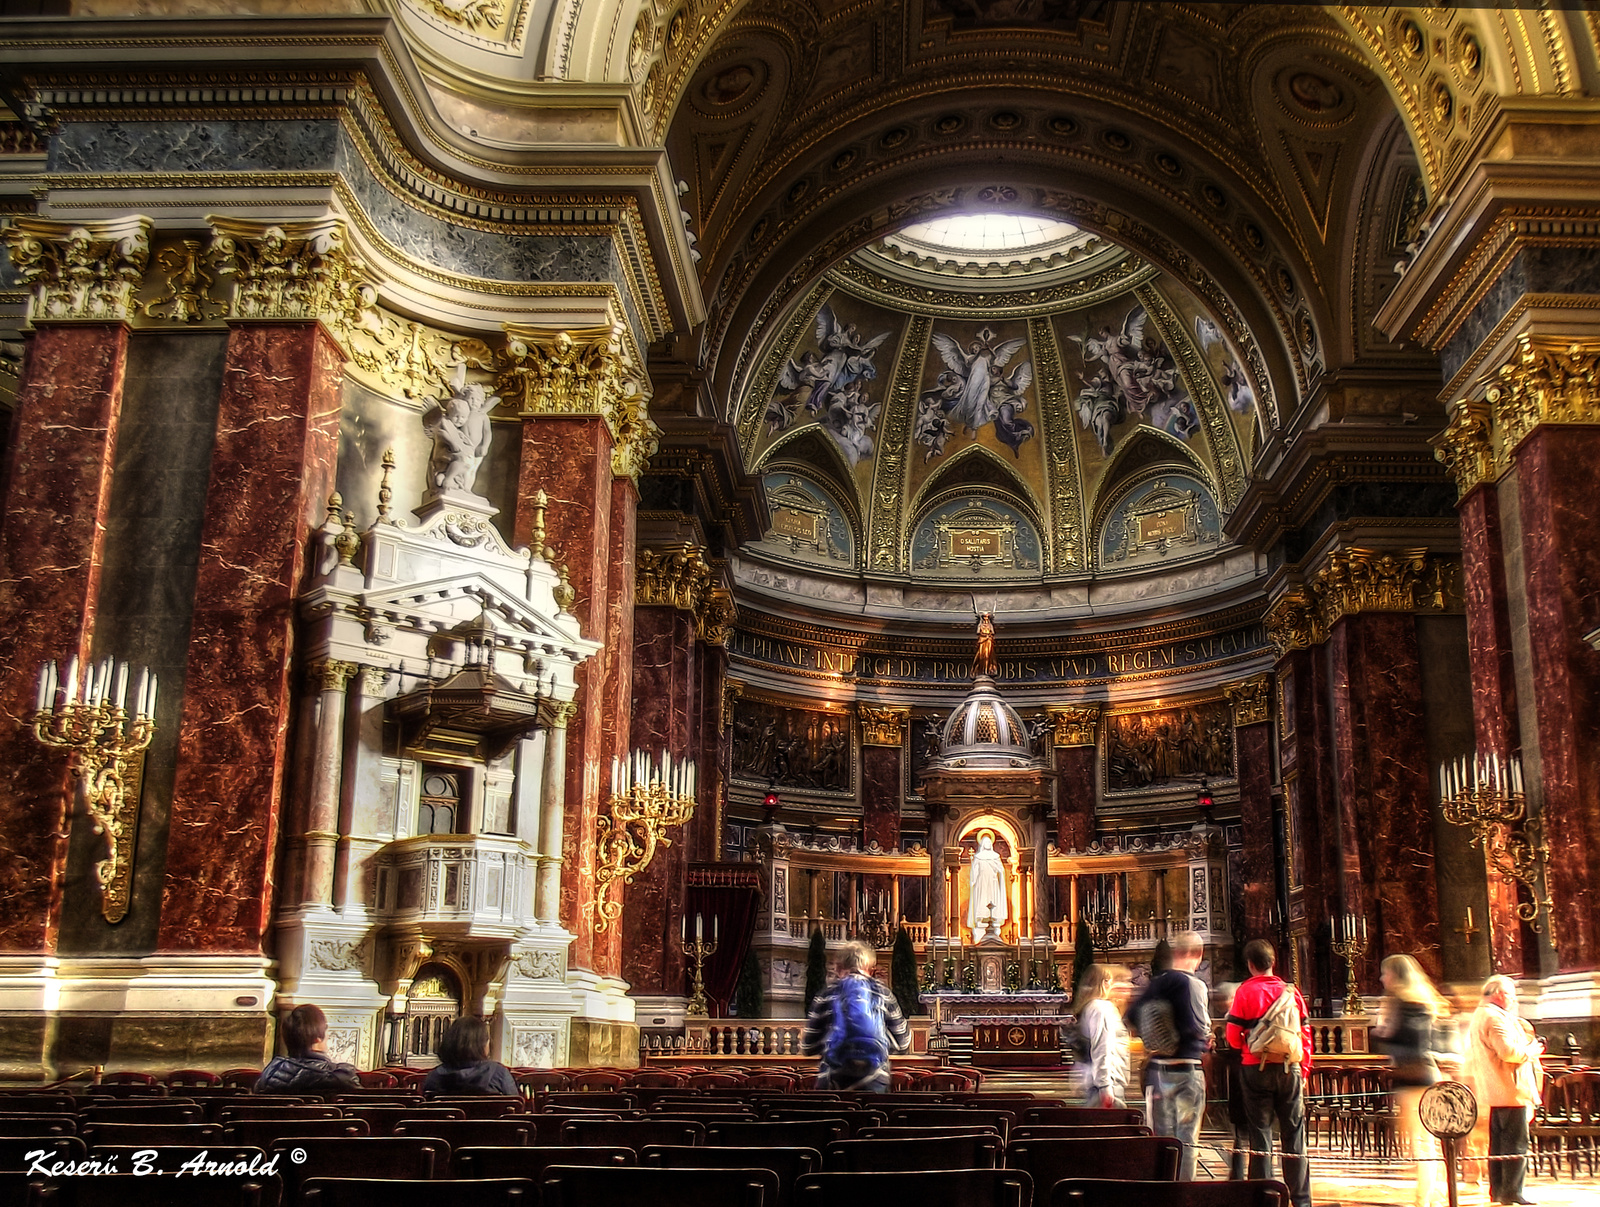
[1411, 1008]
[1099, 1002]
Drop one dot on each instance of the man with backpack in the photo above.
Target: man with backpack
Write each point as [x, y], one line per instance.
[1173, 1020]
[853, 1025]
[1271, 1027]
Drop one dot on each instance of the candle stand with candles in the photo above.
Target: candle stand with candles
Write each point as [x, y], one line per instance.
[1485, 794]
[1350, 944]
[91, 716]
[647, 799]
[699, 951]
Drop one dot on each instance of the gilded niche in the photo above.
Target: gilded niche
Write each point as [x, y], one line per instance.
[1150, 749]
[791, 747]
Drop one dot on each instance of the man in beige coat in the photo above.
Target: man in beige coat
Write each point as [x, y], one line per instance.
[1502, 1067]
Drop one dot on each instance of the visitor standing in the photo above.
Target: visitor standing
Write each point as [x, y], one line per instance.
[1104, 1068]
[1405, 1033]
[854, 1025]
[1271, 1027]
[1173, 1019]
[1502, 1067]
[307, 1068]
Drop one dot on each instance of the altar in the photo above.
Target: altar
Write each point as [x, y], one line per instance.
[1007, 1029]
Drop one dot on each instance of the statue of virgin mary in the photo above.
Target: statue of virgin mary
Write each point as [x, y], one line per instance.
[986, 889]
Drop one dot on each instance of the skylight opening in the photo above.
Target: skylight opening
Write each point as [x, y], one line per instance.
[989, 232]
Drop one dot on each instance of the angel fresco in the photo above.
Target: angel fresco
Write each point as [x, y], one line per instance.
[1139, 376]
[973, 391]
[827, 384]
[1235, 386]
[851, 420]
[932, 429]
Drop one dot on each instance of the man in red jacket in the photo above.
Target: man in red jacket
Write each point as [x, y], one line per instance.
[1272, 1089]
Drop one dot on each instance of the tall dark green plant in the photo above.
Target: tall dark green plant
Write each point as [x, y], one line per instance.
[1082, 957]
[1161, 958]
[748, 1000]
[816, 966]
[903, 974]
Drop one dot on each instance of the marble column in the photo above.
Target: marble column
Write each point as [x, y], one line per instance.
[319, 836]
[52, 551]
[665, 679]
[547, 899]
[1074, 742]
[1385, 790]
[938, 899]
[271, 470]
[617, 687]
[1251, 703]
[713, 741]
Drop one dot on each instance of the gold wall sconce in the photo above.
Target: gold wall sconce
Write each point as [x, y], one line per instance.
[647, 799]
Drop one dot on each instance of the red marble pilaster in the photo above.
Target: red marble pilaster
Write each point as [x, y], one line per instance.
[271, 471]
[52, 545]
[1075, 796]
[665, 708]
[569, 458]
[1385, 787]
[881, 795]
[618, 686]
[1311, 816]
[1257, 865]
[714, 746]
[1494, 684]
[1555, 471]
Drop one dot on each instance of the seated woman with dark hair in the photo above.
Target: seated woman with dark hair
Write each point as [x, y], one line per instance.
[306, 1069]
[464, 1064]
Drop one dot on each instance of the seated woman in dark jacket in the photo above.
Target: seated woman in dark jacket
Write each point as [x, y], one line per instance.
[464, 1064]
[307, 1068]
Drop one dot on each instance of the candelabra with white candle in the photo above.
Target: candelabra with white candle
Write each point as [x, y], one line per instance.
[88, 713]
[647, 798]
[1484, 793]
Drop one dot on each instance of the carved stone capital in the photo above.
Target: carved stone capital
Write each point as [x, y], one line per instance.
[330, 675]
[290, 272]
[674, 576]
[1075, 725]
[1251, 701]
[715, 619]
[883, 726]
[1546, 381]
[732, 689]
[637, 435]
[562, 712]
[1293, 622]
[1466, 446]
[1366, 580]
[80, 271]
[773, 843]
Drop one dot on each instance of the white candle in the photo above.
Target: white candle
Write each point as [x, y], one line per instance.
[44, 675]
[715, 927]
[683, 928]
[72, 680]
[120, 695]
[699, 927]
[53, 682]
[150, 709]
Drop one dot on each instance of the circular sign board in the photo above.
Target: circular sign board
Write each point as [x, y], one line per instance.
[1448, 1110]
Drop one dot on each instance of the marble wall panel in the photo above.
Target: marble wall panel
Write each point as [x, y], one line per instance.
[1532, 270]
[1258, 878]
[271, 472]
[1075, 797]
[1561, 568]
[712, 741]
[153, 522]
[52, 549]
[882, 795]
[1494, 687]
[1311, 816]
[1385, 787]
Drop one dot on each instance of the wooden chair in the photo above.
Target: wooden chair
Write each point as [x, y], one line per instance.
[856, 1120]
[789, 1164]
[481, 1106]
[1080, 1116]
[926, 1188]
[264, 1133]
[711, 1080]
[970, 1151]
[108, 1090]
[597, 1079]
[792, 1133]
[382, 1192]
[142, 1112]
[171, 1157]
[233, 1111]
[1131, 1158]
[396, 1158]
[49, 1104]
[589, 1100]
[536, 1081]
[1061, 1131]
[631, 1133]
[398, 1096]
[954, 1116]
[243, 1078]
[547, 1128]
[478, 1133]
[897, 1132]
[948, 1079]
[381, 1120]
[126, 1077]
[21, 1124]
[655, 1078]
[184, 1078]
[1089, 1192]
[14, 1150]
[134, 1190]
[149, 1134]
[583, 1186]
[377, 1079]
[532, 1162]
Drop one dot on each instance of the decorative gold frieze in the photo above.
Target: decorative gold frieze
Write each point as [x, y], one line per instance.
[883, 726]
[586, 371]
[1368, 580]
[80, 271]
[1293, 623]
[290, 271]
[1075, 725]
[716, 618]
[187, 296]
[1251, 701]
[1545, 382]
[674, 576]
[1466, 446]
[476, 15]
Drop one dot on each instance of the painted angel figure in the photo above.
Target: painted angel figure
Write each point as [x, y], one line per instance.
[1207, 335]
[932, 430]
[1125, 357]
[977, 366]
[806, 383]
[847, 356]
[1099, 408]
[1237, 387]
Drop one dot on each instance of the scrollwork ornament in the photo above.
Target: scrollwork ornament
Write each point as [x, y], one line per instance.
[79, 271]
[1251, 701]
[1545, 382]
[294, 271]
[187, 298]
[1365, 580]
[1293, 623]
[716, 617]
[1466, 447]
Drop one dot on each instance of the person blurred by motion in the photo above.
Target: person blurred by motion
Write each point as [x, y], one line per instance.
[464, 1066]
[1271, 1027]
[1405, 1033]
[1502, 1067]
[1098, 1002]
[1173, 1019]
[306, 1068]
[854, 1025]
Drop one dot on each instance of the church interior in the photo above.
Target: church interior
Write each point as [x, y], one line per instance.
[558, 510]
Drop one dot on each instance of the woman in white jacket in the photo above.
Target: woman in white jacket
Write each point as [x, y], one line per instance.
[1098, 1004]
